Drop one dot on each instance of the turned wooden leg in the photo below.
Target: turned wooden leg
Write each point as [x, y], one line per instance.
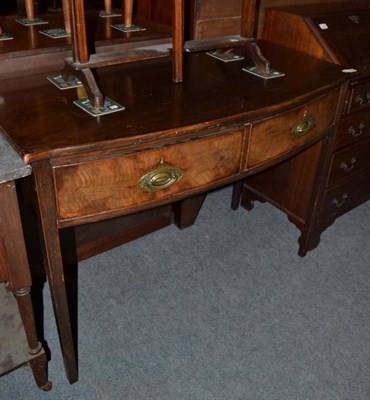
[13, 260]
[67, 16]
[128, 7]
[30, 9]
[108, 6]
[38, 364]
[178, 41]
[39, 371]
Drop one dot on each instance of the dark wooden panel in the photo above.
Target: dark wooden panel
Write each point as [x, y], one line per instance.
[349, 161]
[346, 196]
[289, 185]
[264, 4]
[353, 127]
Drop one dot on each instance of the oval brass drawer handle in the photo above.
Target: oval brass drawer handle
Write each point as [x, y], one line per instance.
[303, 126]
[160, 178]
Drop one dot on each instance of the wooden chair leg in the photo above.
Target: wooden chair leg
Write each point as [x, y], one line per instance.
[67, 16]
[108, 6]
[128, 7]
[30, 10]
[178, 41]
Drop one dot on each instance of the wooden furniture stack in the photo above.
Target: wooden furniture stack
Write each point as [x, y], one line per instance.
[313, 200]
[171, 145]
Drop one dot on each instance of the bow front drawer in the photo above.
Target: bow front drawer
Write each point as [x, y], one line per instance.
[278, 136]
[128, 181]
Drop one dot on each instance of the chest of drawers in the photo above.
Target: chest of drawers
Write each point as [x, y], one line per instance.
[336, 33]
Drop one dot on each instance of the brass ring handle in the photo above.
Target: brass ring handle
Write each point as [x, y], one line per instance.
[348, 166]
[352, 130]
[160, 178]
[303, 126]
[340, 202]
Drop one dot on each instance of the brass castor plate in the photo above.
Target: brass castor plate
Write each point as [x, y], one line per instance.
[30, 22]
[6, 36]
[104, 14]
[61, 84]
[271, 75]
[225, 56]
[132, 28]
[55, 33]
[110, 107]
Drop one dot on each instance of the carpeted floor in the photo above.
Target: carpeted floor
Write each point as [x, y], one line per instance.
[225, 310]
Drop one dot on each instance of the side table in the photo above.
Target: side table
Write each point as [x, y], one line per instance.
[19, 343]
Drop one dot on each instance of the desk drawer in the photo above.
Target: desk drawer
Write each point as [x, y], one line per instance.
[353, 128]
[106, 185]
[349, 161]
[277, 136]
[346, 196]
[359, 97]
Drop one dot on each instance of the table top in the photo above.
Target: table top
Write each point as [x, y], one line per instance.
[12, 166]
[42, 122]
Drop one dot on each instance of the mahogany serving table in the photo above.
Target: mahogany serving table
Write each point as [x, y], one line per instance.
[171, 145]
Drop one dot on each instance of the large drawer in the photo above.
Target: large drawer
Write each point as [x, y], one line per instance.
[277, 136]
[349, 161]
[353, 128]
[346, 196]
[359, 97]
[123, 182]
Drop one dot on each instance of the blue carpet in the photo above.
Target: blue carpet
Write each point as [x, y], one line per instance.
[225, 310]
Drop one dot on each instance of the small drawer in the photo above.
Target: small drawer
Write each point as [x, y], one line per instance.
[277, 136]
[349, 161]
[346, 196]
[102, 186]
[359, 97]
[353, 128]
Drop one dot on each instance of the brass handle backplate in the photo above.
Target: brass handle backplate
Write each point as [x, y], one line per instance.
[160, 178]
[303, 126]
